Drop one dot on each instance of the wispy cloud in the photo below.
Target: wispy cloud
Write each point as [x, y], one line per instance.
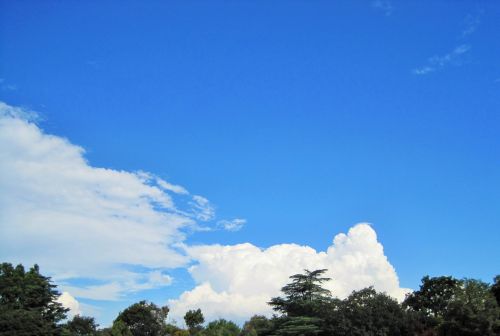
[454, 57]
[384, 6]
[4, 86]
[438, 62]
[232, 225]
[471, 22]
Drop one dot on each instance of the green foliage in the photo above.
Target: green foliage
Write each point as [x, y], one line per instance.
[221, 327]
[303, 305]
[28, 303]
[434, 296]
[144, 319]
[194, 319]
[257, 325]
[495, 288]
[181, 332]
[366, 312]
[170, 329]
[299, 325]
[120, 328]
[304, 296]
[473, 311]
[81, 326]
[456, 307]
[442, 306]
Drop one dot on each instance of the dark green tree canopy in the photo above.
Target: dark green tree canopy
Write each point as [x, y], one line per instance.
[304, 295]
[28, 302]
[81, 326]
[194, 318]
[495, 288]
[257, 325]
[144, 318]
[221, 327]
[434, 295]
[367, 312]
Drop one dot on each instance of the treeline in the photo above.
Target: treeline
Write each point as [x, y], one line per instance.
[442, 306]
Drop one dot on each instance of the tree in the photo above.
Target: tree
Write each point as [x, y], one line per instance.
[144, 318]
[434, 296]
[495, 289]
[472, 311]
[367, 312]
[456, 307]
[81, 325]
[221, 327]
[194, 319]
[257, 325]
[119, 328]
[299, 326]
[302, 306]
[28, 302]
[304, 295]
[171, 329]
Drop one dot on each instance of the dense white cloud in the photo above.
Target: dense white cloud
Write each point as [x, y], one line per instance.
[77, 221]
[68, 301]
[236, 281]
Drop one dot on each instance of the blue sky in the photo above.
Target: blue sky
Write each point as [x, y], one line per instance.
[300, 118]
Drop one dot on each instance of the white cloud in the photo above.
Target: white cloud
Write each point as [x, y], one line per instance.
[68, 301]
[203, 209]
[232, 225]
[438, 62]
[236, 281]
[171, 187]
[76, 220]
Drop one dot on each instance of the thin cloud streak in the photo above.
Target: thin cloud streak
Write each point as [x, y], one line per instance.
[438, 62]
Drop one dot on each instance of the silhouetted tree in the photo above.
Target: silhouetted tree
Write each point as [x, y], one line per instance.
[28, 302]
[144, 319]
[221, 327]
[194, 319]
[81, 326]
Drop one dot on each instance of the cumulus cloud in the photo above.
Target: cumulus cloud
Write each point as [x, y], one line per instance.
[68, 301]
[236, 281]
[232, 225]
[76, 220]
[440, 61]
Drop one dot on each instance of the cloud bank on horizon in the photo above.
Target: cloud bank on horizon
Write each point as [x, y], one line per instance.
[237, 281]
[123, 231]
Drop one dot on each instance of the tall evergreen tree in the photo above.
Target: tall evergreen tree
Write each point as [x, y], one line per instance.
[304, 295]
[28, 303]
[303, 305]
